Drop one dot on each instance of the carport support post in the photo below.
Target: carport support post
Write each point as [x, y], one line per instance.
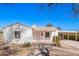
[63, 36]
[76, 37]
[68, 36]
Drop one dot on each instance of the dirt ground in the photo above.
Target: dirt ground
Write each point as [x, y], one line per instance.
[19, 50]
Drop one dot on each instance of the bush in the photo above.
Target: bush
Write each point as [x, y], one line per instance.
[56, 40]
[27, 44]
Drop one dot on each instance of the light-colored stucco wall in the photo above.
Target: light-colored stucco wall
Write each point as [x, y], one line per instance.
[55, 33]
[37, 36]
[25, 34]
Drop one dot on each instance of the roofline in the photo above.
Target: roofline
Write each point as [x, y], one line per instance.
[68, 31]
[44, 27]
[16, 23]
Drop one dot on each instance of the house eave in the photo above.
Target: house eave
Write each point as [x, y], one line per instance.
[44, 29]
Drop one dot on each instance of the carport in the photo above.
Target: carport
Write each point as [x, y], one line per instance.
[70, 35]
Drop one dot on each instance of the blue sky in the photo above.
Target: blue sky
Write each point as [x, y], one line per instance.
[40, 15]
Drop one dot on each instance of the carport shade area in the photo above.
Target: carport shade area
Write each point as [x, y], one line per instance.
[69, 35]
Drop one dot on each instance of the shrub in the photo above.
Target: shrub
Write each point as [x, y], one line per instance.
[56, 40]
[28, 44]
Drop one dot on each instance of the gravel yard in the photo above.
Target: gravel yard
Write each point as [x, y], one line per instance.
[68, 48]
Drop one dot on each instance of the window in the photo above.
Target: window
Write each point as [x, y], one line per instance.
[41, 33]
[47, 34]
[17, 34]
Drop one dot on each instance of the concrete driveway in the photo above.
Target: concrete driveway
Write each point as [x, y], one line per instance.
[68, 48]
[70, 43]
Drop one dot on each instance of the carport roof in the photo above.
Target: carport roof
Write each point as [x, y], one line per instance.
[68, 31]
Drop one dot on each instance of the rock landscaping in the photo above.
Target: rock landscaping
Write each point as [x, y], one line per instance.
[38, 50]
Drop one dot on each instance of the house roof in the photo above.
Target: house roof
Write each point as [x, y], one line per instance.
[15, 24]
[42, 28]
[45, 29]
[35, 28]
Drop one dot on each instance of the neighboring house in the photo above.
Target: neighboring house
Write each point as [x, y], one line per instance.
[19, 33]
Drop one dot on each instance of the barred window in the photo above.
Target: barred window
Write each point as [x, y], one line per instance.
[47, 34]
[17, 34]
[41, 33]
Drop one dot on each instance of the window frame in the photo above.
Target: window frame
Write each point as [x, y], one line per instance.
[47, 34]
[17, 34]
[42, 34]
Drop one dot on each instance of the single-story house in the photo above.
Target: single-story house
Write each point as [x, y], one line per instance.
[19, 33]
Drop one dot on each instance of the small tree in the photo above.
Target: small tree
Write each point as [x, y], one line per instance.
[59, 28]
[49, 25]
